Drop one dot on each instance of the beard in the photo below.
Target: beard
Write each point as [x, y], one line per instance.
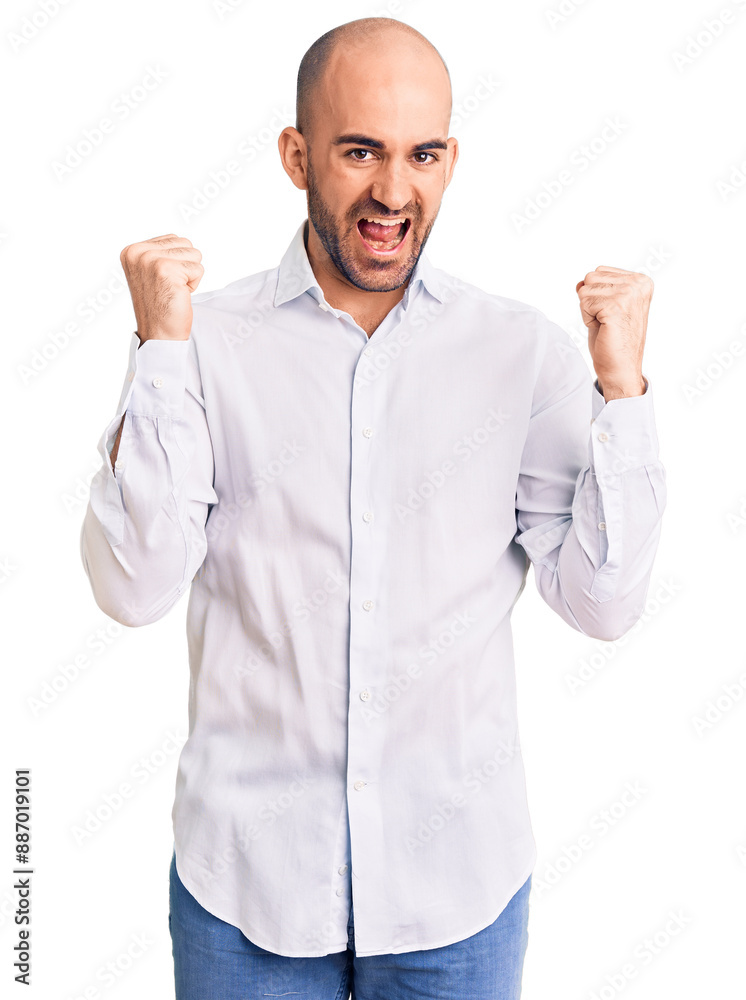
[372, 274]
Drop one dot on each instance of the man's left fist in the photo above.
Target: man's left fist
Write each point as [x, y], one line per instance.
[614, 304]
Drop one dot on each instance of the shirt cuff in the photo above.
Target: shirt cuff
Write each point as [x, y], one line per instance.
[623, 433]
[156, 378]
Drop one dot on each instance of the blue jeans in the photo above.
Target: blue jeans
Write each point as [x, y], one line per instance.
[213, 960]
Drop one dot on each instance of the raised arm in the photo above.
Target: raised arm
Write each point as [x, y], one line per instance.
[591, 489]
[143, 535]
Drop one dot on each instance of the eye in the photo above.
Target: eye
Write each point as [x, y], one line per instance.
[365, 153]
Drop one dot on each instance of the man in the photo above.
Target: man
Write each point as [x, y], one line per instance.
[350, 460]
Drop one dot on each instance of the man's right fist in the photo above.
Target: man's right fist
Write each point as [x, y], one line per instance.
[161, 274]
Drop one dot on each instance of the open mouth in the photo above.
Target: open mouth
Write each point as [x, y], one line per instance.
[382, 236]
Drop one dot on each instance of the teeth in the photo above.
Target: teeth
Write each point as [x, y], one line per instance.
[387, 222]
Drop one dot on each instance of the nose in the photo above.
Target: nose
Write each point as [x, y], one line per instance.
[390, 187]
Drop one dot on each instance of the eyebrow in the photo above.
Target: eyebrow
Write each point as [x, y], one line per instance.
[355, 139]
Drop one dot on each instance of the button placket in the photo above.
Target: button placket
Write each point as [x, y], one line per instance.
[368, 623]
[340, 886]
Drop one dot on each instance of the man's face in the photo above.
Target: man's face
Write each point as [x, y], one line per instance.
[379, 151]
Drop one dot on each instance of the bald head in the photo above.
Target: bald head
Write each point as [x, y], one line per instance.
[367, 31]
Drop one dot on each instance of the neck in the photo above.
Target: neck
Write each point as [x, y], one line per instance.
[368, 309]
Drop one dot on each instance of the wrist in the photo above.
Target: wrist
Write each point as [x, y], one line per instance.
[158, 335]
[619, 388]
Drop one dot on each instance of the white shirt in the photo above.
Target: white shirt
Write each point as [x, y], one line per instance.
[354, 520]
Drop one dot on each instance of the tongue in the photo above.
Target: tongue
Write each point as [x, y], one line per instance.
[372, 231]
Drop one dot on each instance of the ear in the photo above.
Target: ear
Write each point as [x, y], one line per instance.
[294, 156]
[452, 157]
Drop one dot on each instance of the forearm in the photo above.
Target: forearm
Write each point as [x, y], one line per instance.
[115, 446]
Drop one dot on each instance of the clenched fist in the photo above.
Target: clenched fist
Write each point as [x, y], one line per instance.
[162, 273]
[614, 304]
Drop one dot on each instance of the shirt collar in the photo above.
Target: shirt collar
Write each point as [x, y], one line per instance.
[296, 276]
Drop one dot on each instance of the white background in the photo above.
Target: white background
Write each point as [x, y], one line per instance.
[649, 201]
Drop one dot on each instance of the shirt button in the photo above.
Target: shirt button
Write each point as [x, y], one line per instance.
[340, 892]
[602, 526]
[358, 785]
[603, 436]
[368, 351]
[342, 870]
[130, 376]
[368, 605]
[324, 306]
[367, 431]
[367, 516]
[364, 695]
[158, 383]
